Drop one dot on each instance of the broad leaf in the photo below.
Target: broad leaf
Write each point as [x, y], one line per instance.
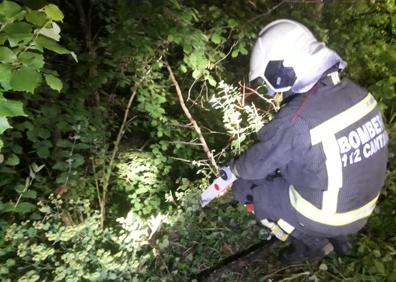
[6, 55]
[36, 17]
[18, 27]
[9, 108]
[16, 39]
[32, 59]
[53, 12]
[51, 45]
[5, 75]
[12, 160]
[53, 32]
[29, 194]
[54, 82]
[9, 9]
[24, 207]
[4, 125]
[25, 79]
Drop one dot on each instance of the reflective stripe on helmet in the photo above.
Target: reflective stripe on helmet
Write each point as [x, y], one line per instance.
[329, 218]
[325, 133]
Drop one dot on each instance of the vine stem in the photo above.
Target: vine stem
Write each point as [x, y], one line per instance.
[191, 119]
[120, 134]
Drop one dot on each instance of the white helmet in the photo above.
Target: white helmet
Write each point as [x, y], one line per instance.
[287, 56]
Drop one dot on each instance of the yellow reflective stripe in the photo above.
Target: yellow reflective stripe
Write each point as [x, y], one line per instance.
[325, 133]
[275, 229]
[334, 175]
[344, 119]
[335, 219]
[285, 226]
[279, 233]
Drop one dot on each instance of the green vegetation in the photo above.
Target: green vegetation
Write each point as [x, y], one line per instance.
[100, 168]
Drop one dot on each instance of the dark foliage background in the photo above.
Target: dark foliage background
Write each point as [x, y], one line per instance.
[101, 170]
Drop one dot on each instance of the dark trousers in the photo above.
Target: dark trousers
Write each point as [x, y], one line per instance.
[270, 197]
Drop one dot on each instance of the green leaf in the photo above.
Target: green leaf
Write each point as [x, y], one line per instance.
[78, 160]
[25, 79]
[29, 194]
[64, 143]
[235, 53]
[211, 80]
[10, 108]
[163, 244]
[3, 38]
[53, 12]
[17, 39]
[20, 188]
[196, 74]
[43, 152]
[32, 59]
[15, 148]
[4, 125]
[53, 32]
[18, 27]
[9, 9]
[6, 55]
[51, 45]
[12, 160]
[216, 38]
[54, 82]
[36, 17]
[44, 133]
[5, 76]
[379, 266]
[24, 207]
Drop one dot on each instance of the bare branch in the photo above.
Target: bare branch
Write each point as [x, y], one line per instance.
[191, 119]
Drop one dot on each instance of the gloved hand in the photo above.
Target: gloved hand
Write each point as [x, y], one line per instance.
[242, 190]
[218, 187]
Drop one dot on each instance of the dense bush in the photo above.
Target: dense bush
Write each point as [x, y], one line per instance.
[101, 169]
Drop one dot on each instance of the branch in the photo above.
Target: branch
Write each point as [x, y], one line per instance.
[120, 134]
[113, 155]
[191, 119]
[269, 11]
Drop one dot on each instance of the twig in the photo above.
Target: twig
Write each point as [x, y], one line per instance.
[191, 119]
[266, 13]
[191, 87]
[185, 143]
[97, 184]
[113, 155]
[229, 52]
[254, 91]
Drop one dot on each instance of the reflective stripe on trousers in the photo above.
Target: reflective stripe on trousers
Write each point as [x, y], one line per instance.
[281, 229]
[311, 212]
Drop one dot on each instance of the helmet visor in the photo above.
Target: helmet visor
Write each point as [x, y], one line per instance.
[279, 77]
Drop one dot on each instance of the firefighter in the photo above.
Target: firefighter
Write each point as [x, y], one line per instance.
[316, 172]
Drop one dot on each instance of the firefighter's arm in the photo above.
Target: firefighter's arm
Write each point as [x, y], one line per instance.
[273, 151]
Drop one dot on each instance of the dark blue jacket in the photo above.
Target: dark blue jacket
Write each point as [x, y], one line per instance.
[330, 146]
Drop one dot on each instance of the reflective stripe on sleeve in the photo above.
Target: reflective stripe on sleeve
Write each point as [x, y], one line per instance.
[329, 218]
